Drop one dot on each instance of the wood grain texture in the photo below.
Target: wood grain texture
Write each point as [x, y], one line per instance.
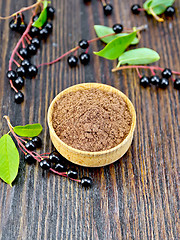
[134, 198]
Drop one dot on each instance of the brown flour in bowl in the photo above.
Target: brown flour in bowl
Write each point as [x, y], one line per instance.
[91, 120]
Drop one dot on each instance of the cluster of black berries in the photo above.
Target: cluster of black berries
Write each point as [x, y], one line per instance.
[17, 24]
[84, 57]
[34, 36]
[160, 82]
[108, 8]
[169, 12]
[55, 161]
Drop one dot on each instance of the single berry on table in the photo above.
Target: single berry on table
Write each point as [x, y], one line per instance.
[72, 61]
[34, 31]
[37, 141]
[108, 9]
[166, 73]
[55, 157]
[22, 28]
[50, 12]
[13, 25]
[49, 27]
[21, 72]
[31, 49]
[43, 33]
[60, 167]
[12, 75]
[19, 97]
[135, 8]
[164, 82]
[45, 164]
[30, 145]
[29, 159]
[155, 80]
[86, 181]
[18, 83]
[36, 42]
[117, 28]
[84, 58]
[144, 81]
[83, 44]
[25, 63]
[170, 11]
[177, 84]
[71, 173]
[23, 52]
[32, 71]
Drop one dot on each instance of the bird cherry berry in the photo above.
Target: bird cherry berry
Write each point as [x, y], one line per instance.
[166, 73]
[86, 181]
[30, 145]
[36, 42]
[29, 159]
[37, 141]
[83, 44]
[135, 8]
[170, 11]
[60, 167]
[55, 157]
[144, 81]
[45, 164]
[12, 75]
[71, 173]
[19, 97]
[49, 27]
[43, 33]
[32, 71]
[84, 58]
[23, 52]
[34, 31]
[31, 49]
[108, 9]
[50, 12]
[13, 25]
[155, 80]
[25, 63]
[117, 28]
[22, 27]
[177, 84]
[72, 61]
[18, 83]
[164, 82]
[21, 72]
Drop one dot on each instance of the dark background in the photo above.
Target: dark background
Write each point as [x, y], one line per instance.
[134, 198]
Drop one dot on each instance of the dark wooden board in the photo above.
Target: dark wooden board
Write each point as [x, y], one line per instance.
[134, 198]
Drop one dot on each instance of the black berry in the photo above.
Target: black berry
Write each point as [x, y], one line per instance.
[135, 8]
[22, 28]
[55, 157]
[23, 52]
[164, 82]
[13, 25]
[34, 31]
[32, 71]
[166, 73]
[83, 44]
[19, 97]
[21, 71]
[71, 173]
[43, 33]
[29, 159]
[108, 9]
[86, 181]
[31, 49]
[17, 19]
[170, 11]
[49, 27]
[177, 83]
[50, 12]
[45, 164]
[60, 167]
[36, 42]
[117, 28]
[155, 80]
[18, 83]
[37, 141]
[30, 145]
[84, 58]
[72, 61]
[144, 81]
[25, 63]
[12, 75]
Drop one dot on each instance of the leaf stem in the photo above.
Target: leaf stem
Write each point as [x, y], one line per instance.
[155, 16]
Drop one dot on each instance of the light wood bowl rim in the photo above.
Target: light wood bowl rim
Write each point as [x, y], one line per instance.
[103, 87]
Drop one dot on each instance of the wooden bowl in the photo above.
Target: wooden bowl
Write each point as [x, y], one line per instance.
[92, 159]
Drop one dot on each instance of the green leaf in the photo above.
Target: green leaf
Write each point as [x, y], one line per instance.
[103, 30]
[116, 47]
[43, 16]
[158, 6]
[147, 4]
[29, 130]
[9, 159]
[138, 56]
